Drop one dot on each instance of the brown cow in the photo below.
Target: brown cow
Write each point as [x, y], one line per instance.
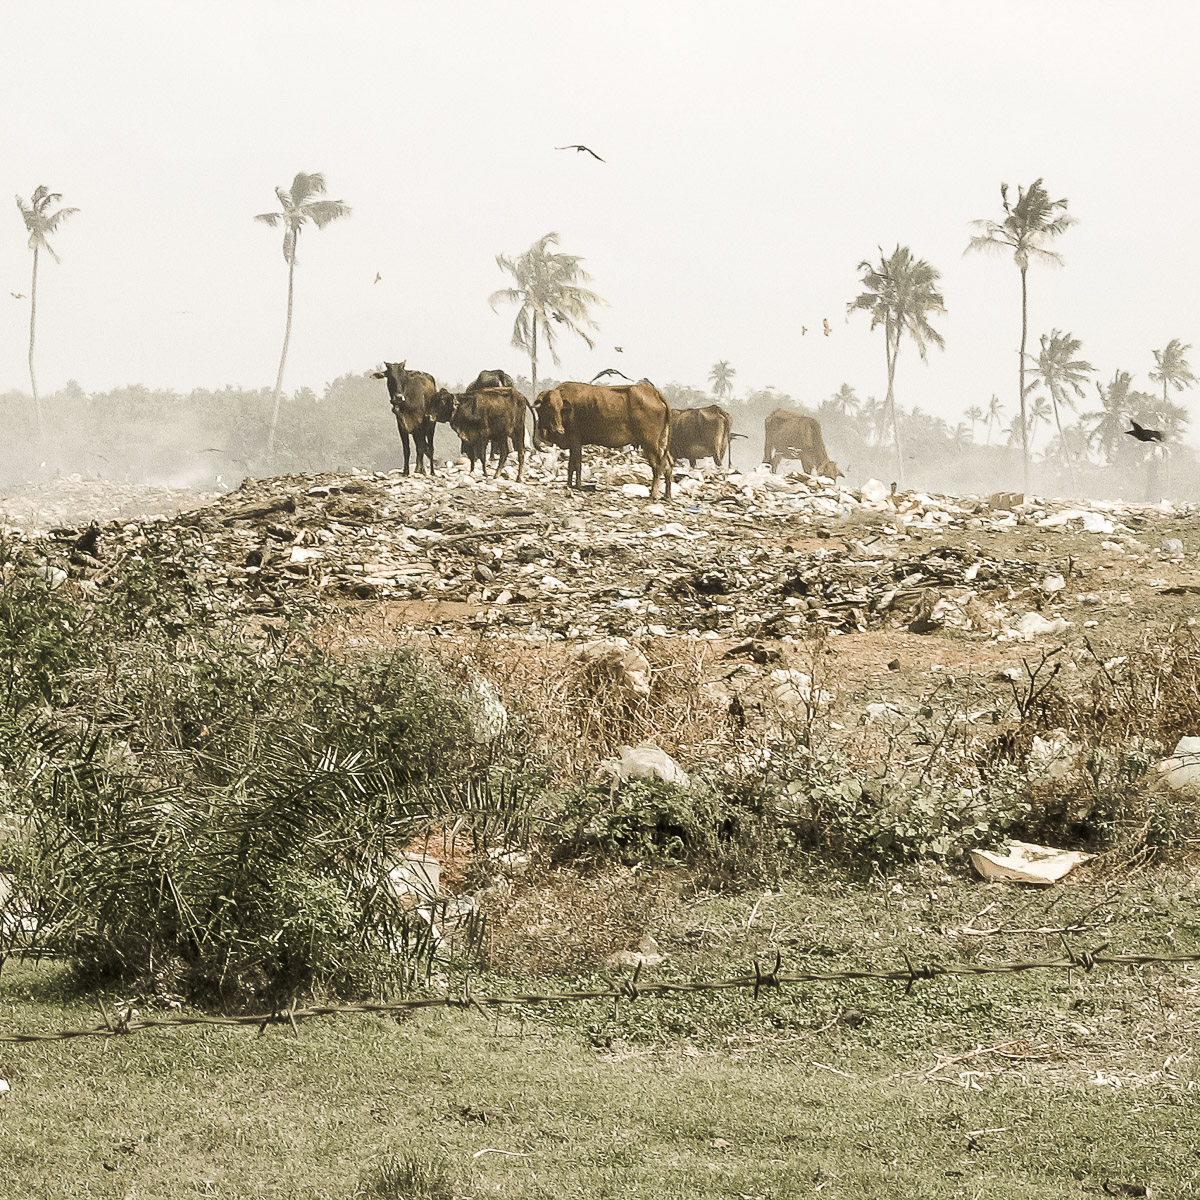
[795, 435]
[575, 415]
[410, 393]
[490, 379]
[700, 433]
[490, 415]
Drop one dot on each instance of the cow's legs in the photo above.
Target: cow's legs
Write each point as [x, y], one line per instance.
[502, 449]
[575, 467]
[404, 443]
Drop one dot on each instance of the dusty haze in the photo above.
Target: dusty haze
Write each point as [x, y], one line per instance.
[755, 154]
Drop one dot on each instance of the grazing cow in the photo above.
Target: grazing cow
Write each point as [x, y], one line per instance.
[700, 433]
[410, 393]
[574, 415]
[794, 435]
[494, 416]
[490, 379]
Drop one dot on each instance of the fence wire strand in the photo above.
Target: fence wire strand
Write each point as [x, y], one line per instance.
[129, 1021]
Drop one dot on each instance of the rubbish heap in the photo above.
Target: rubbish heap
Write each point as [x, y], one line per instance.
[733, 555]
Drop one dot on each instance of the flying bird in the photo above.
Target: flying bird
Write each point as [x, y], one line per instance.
[619, 349]
[581, 148]
[1142, 434]
[18, 295]
[828, 331]
[378, 277]
[803, 330]
[610, 371]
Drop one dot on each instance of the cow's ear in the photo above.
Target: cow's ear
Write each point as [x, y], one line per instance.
[378, 374]
[400, 365]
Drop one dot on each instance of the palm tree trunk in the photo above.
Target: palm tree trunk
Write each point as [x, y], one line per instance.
[533, 359]
[1062, 441]
[37, 404]
[892, 353]
[287, 337]
[1021, 374]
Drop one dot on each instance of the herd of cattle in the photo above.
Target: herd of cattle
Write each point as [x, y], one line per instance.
[490, 414]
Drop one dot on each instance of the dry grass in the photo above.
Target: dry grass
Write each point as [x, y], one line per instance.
[554, 921]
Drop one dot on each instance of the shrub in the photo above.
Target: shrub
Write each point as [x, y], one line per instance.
[218, 811]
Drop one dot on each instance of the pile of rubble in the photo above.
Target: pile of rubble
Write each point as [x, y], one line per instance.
[732, 555]
[71, 498]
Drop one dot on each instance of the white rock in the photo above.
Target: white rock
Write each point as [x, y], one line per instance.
[1033, 625]
[1095, 523]
[1054, 755]
[644, 762]
[1181, 772]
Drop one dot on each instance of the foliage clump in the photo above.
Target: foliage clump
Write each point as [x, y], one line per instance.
[218, 810]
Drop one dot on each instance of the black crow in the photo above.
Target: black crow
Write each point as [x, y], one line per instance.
[1142, 434]
[610, 371]
[581, 148]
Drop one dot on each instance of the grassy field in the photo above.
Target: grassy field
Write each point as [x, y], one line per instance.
[1043, 1084]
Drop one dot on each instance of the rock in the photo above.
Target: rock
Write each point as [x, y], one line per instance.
[1096, 523]
[415, 875]
[628, 666]
[1172, 548]
[647, 954]
[1053, 757]
[1181, 772]
[644, 762]
[1005, 500]
[486, 714]
[1033, 625]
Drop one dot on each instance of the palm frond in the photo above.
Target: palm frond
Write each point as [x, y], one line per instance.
[322, 212]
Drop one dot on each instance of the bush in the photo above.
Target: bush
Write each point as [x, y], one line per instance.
[218, 811]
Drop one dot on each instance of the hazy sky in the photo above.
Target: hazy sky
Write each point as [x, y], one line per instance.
[756, 153]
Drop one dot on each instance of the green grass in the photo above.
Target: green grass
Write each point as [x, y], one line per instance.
[713, 1095]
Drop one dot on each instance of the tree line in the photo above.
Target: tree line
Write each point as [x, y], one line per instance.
[900, 295]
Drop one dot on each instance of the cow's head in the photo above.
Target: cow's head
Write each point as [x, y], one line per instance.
[830, 470]
[442, 405]
[394, 373]
[549, 410]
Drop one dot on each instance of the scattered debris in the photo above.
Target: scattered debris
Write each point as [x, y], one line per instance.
[643, 762]
[1026, 863]
[1181, 772]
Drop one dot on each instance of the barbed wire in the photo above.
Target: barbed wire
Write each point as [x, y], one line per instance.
[128, 1020]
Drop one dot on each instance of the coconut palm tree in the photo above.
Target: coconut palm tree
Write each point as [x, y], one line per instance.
[974, 414]
[900, 294]
[1033, 220]
[1063, 376]
[40, 222]
[1015, 434]
[874, 416]
[846, 400]
[1109, 420]
[1039, 413]
[1172, 368]
[995, 410]
[548, 294]
[721, 379]
[298, 205]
